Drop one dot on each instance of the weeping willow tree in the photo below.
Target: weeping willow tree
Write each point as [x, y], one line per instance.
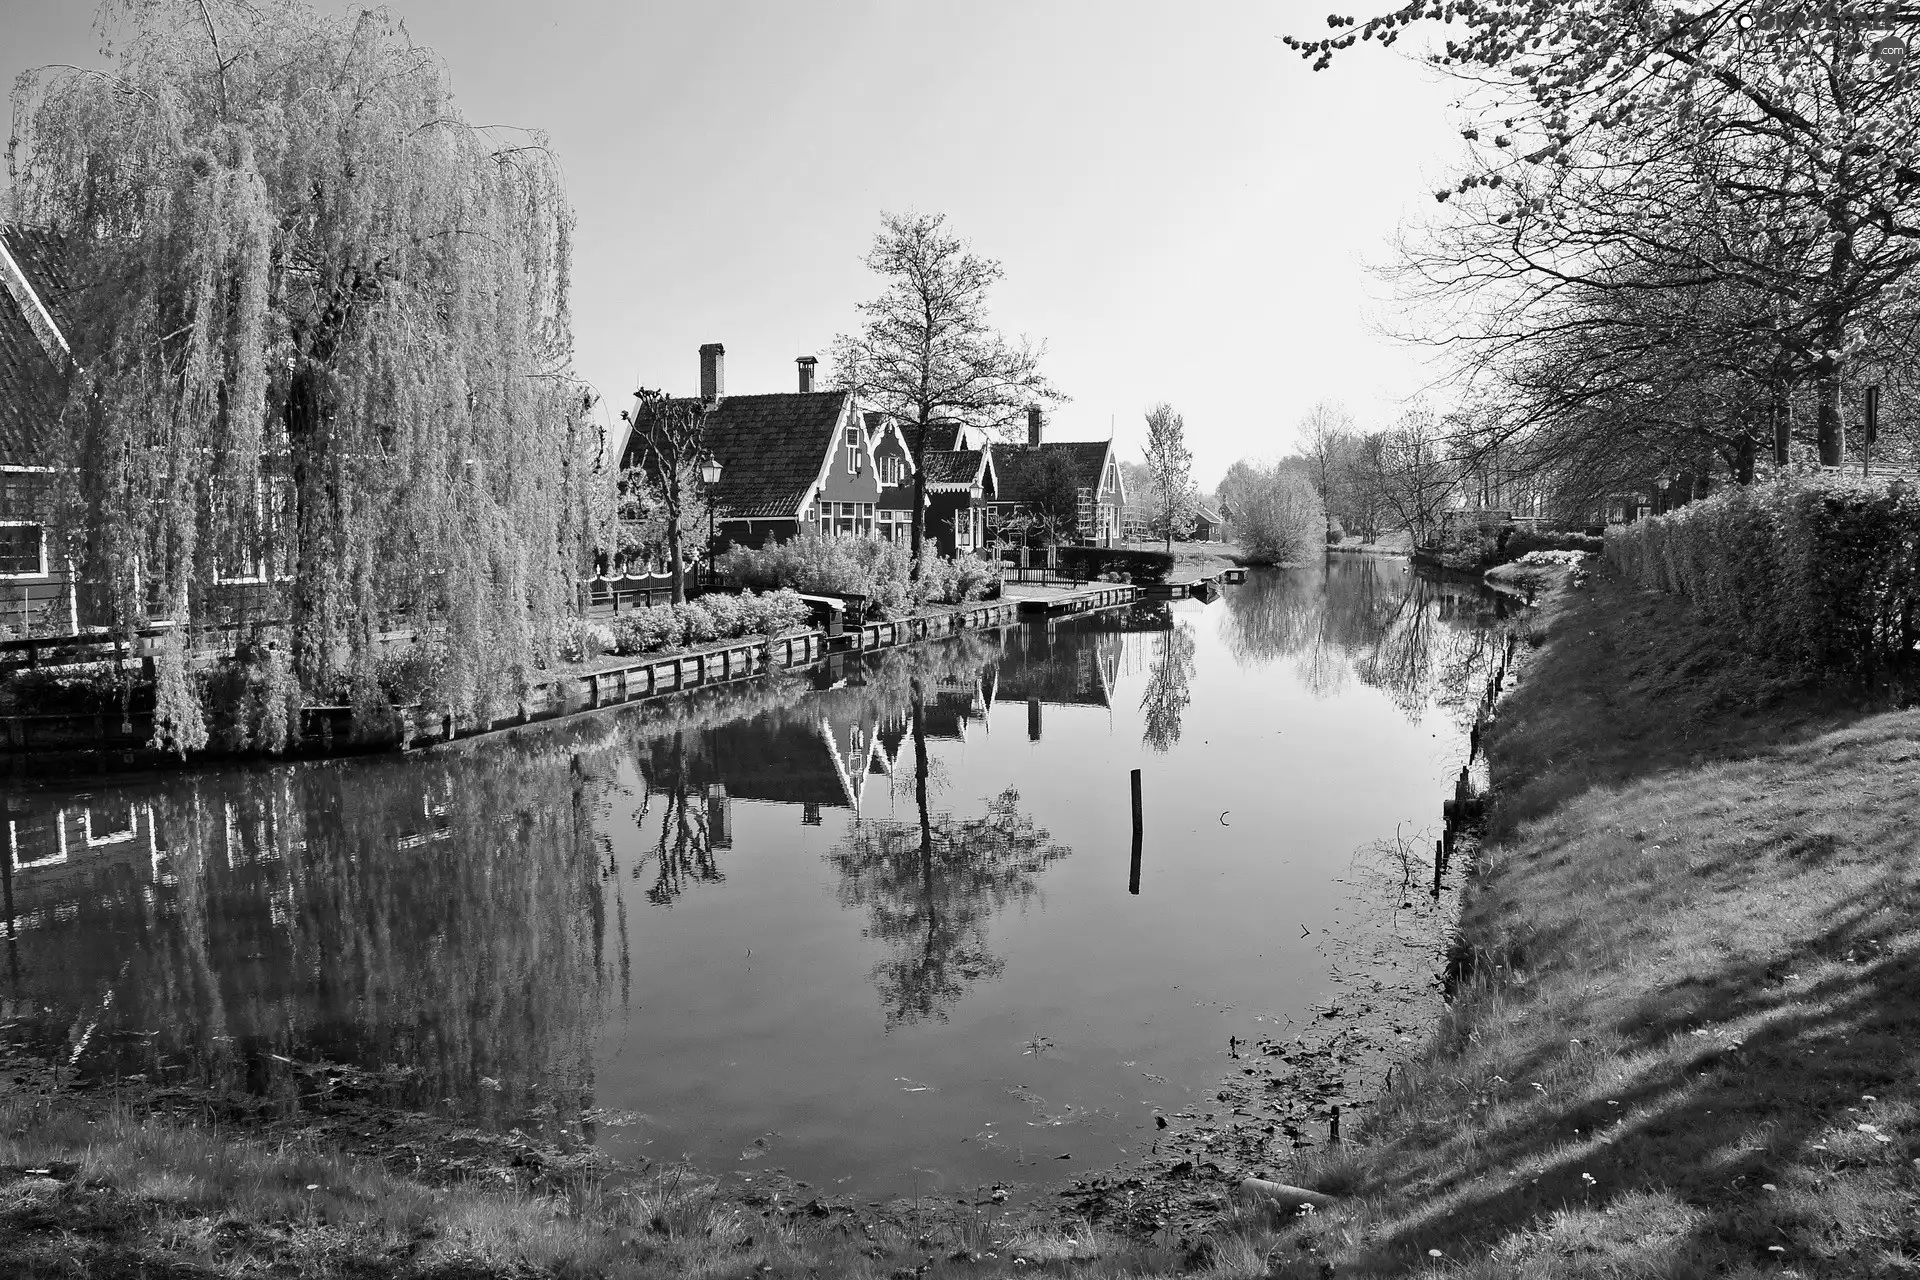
[321, 340]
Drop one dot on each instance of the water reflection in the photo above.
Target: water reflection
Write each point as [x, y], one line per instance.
[222, 927]
[1413, 636]
[930, 886]
[462, 928]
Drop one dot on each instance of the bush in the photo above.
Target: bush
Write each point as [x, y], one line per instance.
[712, 617]
[1818, 570]
[581, 640]
[880, 571]
[1522, 542]
[253, 700]
[1090, 563]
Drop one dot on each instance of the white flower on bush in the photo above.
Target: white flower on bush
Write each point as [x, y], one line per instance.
[1553, 557]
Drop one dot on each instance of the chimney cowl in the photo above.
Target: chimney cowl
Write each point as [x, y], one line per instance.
[1035, 422]
[807, 364]
[713, 371]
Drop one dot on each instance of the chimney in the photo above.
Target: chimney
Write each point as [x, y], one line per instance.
[713, 371]
[806, 364]
[1034, 423]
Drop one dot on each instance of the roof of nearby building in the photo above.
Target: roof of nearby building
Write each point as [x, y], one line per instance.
[958, 468]
[31, 380]
[1016, 465]
[771, 449]
[1208, 514]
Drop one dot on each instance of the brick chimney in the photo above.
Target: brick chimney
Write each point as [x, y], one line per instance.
[806, 364]
[713, 371]
[1034, 423]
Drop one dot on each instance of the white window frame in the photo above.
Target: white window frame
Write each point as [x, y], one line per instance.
[119, 835]
[41, 525]
[853, 451]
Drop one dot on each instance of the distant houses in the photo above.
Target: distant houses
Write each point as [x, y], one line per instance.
[814, 460]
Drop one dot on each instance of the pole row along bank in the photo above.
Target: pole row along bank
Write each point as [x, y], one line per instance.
[1465, 810]
[84, 742]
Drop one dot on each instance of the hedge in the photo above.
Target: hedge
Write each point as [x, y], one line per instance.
[712, 617]
[1094, 562]
[1818, 570]
[878, 570]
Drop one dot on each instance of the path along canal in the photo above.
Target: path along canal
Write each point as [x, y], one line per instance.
[868, 925]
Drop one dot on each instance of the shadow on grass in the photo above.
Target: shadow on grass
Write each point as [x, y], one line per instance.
[1686, 1035]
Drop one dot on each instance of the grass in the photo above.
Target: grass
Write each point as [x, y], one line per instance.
[91, 1187]
[1686, 1022]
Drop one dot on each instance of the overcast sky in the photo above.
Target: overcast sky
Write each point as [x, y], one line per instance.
[1184, 210]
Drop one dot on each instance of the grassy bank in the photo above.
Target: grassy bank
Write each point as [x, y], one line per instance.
[128, 1180]
[1687, 1024]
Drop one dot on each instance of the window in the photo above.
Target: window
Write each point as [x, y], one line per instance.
[846, 517]
[23, 549]
[853, 450]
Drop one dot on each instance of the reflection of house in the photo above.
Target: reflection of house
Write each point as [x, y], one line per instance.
[59, 853]
[1084, 675]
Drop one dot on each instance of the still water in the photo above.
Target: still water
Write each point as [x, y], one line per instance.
[870, 925]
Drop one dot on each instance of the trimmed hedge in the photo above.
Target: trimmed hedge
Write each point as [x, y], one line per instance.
[1818, 570]
[1522, 541]
[1094, 562]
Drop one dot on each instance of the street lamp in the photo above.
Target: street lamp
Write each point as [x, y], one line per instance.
[710, 473]
[1661, 484]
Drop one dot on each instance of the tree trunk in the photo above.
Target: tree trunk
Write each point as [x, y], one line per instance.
[1782, 423]
[1743, 459]
[918, 527]
[1832, 430]
[675, 558]
[316, 492]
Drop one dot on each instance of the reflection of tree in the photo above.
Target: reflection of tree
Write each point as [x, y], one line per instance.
[1412, 636]
[432, 921]
[1167, 694]
[930, 887]
[684, 852]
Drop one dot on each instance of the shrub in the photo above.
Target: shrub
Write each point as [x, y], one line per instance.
[696, 622]
[712, 617]
[1521, 542]
[581, 640]
[253, 700]
[1818, 570]
[868, 567]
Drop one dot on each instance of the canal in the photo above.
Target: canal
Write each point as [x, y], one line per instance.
[871, 925]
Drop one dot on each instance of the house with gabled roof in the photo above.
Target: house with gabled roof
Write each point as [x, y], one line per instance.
[1095, 468]
[37, 590]
[789, 460]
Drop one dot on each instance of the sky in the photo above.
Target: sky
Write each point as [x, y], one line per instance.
[1185, 212]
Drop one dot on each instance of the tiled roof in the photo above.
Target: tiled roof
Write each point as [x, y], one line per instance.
[771, 448]
[955, 467]
[31, 383]
[1014, 463]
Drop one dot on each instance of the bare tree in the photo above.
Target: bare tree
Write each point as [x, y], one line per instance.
[1170, 464]
[672, 436]
[1416, 475]
[926, 353]
[1325, 435]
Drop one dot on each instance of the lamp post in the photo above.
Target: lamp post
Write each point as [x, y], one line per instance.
[1661, 484]
[710, 473]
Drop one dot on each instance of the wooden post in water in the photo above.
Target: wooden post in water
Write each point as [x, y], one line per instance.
[1033, 729]
[1333, 1131]
[1133, 873]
